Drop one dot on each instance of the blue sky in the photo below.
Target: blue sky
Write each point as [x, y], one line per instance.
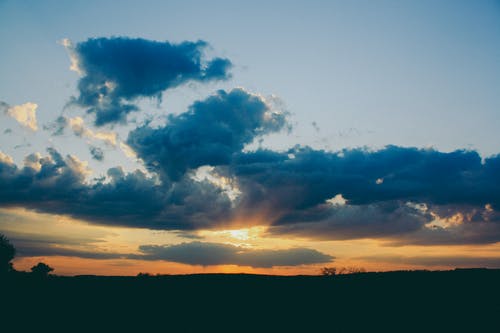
[360, 75]
[421, 73]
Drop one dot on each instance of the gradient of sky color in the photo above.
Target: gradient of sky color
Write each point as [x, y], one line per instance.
[352, 74]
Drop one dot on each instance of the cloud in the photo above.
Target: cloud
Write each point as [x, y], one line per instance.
[209, 133]
[200, 253]
[35, 245]
[193, 253]
[402, 195]
[77, 125]
[96, 153]
[329, 222]
[202, 177]
[296, 188]
[454, 225]
[315, 126]
[398, 223]
[6, 159]
[35, 234]
[73, 56]
[24, 114]
[187, 234]
[452, 261]
[56, 184]
[41, 178]
[314, 194]
[38, 251]
[118, 70]
[58, 126]
[419, 175]
[80, 129]
[127, 151]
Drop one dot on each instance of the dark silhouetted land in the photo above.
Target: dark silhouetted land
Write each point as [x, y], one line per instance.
[445, 301]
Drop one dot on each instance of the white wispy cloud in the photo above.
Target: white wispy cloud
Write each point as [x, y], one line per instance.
[24, 114]
[77, 124]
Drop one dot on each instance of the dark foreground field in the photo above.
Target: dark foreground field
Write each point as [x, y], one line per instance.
[460, 300]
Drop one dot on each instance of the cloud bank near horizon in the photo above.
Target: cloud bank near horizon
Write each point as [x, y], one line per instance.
[294, 191]
[189, 253]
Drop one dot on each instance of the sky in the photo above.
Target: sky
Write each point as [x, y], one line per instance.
[264, 137]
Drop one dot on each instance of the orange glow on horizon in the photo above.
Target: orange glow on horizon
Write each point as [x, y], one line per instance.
[58, 232]
[70, 266]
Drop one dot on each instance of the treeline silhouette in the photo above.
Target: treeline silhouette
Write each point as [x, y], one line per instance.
[7, 254]
[403, 301]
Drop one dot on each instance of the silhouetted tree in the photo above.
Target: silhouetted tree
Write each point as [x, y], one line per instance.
[355, 270]
[7, 253]
[332, 271]
[41, 269]
[328, 271]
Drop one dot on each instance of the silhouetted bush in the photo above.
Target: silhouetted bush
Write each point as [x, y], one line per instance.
[41, 269]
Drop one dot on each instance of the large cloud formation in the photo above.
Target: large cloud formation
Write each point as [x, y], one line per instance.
[57, 185]
[389, 192]
[399, 194]
[364, 177]
[404, 195]
[119, 70]
[209, 133]
[295, 192]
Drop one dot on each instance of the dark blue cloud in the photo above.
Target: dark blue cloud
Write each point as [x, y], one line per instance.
[119, 70]
[304, 177]
[200, 253]
[55, 184]
[97, 153]
[391, 193]
[340, 222]
[57, 127]
[399, 223]
[381, 188]
[394, 194]
[209, 133]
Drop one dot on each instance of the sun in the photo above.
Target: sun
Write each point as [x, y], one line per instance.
[239, 237]
[241, 234]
